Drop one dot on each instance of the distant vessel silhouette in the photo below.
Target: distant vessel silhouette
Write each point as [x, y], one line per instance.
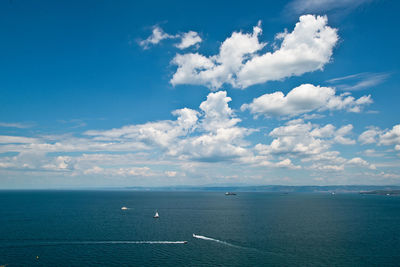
[156, 216]
[124, 208]
[230, 194]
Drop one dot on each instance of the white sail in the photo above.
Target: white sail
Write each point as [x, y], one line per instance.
[156, 215]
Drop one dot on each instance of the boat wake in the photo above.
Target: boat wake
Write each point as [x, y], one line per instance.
[105, 242]
[232, 245]
[216, 240]
[125, 242]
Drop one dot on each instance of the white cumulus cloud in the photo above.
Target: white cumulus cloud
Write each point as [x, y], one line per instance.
[305, 139]
[209, 135]
[341, 133]
[287, 163]
[170, 173]
[241, 63]
[390, 137]
[369, 136]
[361, 162]
[303, 99]
[382, 137]
[219, 136]
[189, 39]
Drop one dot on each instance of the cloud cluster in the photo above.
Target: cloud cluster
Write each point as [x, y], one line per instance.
[382, 137]
[241, 62]
[300, 138]
[303, 99]
[309, 144]
[161, 133]
[208, 135]
[214, 132]
[219, 137]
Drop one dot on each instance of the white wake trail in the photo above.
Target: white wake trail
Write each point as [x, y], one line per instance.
[61, 243]
[123, 242]
[232, 245]
[216, 240]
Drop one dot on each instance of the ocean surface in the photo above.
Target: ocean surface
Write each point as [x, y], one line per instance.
[88, 228]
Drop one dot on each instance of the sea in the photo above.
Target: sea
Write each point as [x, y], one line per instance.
[89, 228]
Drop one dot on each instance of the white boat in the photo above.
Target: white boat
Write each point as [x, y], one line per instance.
[230, 194]
[156, 216]
[124, 208]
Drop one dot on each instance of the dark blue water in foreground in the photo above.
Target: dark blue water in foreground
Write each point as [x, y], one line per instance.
[78, 228]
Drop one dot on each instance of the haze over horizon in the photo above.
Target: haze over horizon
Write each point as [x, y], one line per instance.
[118, 93]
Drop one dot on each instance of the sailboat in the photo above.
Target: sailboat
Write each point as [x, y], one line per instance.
[156, 216]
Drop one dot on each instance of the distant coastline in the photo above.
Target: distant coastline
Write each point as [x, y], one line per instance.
[275, 188]
[388, 192]
[362, 189]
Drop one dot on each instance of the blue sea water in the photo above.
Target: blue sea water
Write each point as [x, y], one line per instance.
[88, 228]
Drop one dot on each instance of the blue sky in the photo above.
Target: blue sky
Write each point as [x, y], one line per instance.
[118, 93]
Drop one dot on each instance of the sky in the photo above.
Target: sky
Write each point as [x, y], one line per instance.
[168, 93]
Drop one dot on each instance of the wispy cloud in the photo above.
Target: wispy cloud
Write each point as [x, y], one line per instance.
[16, 125]
[156, 37]
[298, 7]
[187, 39]
[7, 139]
[76, 123]
[359, 81]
